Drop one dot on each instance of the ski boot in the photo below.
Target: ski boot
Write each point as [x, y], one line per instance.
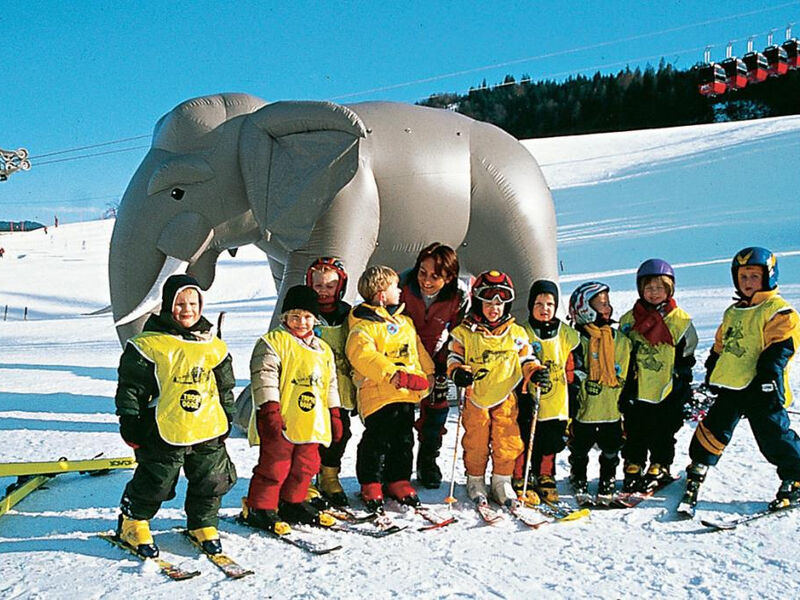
[428, 473]
[304, 513]
[136, 533]
[605, 490]
[502, 492]
[263, 518]
[788, 494]
[332, 490]
[403, 492]
[581, 490]
[372, 497]
[656, 477]
[208, 538]
[695, 475]
[530, 498]
[547, 489]
[476, 488]
[316, 499]
[632, 481]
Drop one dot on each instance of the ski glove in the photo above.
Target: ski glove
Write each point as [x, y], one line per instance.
[337, 427]
[541, 377]
[270, 422]
[409, 381]
[132, 430]
[461, 377]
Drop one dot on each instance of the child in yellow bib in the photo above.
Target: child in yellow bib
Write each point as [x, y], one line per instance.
[601, 366]
[664, 340]
[295, 411]
[748, 366]
[175, 402]
[392, 372]
[489, 355]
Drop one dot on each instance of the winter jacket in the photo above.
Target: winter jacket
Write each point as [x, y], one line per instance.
[662, 369]
[433, 323]
[138, 388]
[379, 345]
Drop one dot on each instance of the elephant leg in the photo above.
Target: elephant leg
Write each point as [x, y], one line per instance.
[348, 231]
[512, 221]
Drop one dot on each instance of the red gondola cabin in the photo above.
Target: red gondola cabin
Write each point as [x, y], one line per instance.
[792, 49]
[777, 59]
[757, 67]
[736, 73]
[712, 80]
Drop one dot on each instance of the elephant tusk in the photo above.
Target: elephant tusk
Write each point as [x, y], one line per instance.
[171, 266]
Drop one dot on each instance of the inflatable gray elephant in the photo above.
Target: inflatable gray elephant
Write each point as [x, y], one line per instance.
[370, 183]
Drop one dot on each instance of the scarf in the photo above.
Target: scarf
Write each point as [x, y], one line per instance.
[601, 355]
[649, 322]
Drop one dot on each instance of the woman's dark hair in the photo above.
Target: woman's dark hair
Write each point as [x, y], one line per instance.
[445, 263]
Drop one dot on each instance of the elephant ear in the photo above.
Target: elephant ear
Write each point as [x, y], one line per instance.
[295, 157]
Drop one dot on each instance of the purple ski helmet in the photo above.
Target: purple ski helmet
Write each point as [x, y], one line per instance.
[655, 266]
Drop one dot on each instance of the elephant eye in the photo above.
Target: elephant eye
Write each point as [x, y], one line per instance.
[177, 193]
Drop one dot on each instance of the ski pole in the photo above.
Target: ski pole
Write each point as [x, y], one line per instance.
[220, 321]
[536, 397]
[450, 498]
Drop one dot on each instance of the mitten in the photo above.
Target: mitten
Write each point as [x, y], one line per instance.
[337, 427]
[270, 422]
[462, 377]
[410, 381]
[132, 430]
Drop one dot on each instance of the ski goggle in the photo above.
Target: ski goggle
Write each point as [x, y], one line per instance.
[490, 293]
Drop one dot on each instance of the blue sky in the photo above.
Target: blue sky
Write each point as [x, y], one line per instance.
[81, 74]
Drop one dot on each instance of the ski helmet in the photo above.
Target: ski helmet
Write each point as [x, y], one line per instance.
[758, 257]
[655, 266]
[580, 311]
[334, 264]
[490, 286]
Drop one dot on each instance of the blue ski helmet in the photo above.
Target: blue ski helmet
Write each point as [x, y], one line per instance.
[758, 257]
[580, 311]
[653, 267]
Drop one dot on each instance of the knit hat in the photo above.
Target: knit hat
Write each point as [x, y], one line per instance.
[173, 286]
[542, 286]
[301, 297]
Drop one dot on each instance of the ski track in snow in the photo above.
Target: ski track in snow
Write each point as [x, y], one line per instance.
[689, 194]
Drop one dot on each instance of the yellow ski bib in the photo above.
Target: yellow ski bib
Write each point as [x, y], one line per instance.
[553, 353]
[598, 403]
[336, 338]
[304, 381]
[188, 408]
[655, 364]
[495, 362]
[743, 343]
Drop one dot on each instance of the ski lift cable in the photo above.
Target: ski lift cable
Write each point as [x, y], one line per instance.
[58, 160]
[561, 52]
[119, 141]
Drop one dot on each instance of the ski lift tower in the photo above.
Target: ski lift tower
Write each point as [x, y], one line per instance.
[11, 161]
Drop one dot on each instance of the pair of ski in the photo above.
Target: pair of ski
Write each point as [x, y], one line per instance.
[621, 499]
[32, 475]
[688, 511]
[224, 562]
[549, 513]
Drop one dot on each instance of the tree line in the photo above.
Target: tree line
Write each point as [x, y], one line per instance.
[629, 99]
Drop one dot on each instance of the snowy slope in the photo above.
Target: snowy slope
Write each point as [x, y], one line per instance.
[692, 195]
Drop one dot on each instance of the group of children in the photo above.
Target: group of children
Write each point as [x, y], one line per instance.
[542, 382]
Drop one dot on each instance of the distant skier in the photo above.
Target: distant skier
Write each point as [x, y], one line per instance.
[748, 367]
[175, 402]
[664, 340]
[602, 367]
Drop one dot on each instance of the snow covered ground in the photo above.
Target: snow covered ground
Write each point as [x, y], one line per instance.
[691, 195]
